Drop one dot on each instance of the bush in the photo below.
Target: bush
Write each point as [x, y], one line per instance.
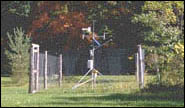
[168, 71]
[174, 73]
[164, 40]
[18, 56]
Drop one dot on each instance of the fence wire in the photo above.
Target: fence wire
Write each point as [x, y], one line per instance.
[110, 62]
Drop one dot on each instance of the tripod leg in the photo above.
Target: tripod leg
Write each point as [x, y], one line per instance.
[81, 83]
[84, 76]
[92, 80]
[100, 73]
[94, 76]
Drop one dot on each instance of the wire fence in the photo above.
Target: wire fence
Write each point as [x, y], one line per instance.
[114, 64]
[74, 63]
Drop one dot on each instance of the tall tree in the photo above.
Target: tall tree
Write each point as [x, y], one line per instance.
[64, 20]
[61, 20]
[163, 35]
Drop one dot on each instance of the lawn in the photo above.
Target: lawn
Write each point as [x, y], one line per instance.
[115, 91]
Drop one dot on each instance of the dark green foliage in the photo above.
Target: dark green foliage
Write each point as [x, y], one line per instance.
[22, 8]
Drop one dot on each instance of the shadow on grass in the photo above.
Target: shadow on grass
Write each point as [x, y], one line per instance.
[12, 84]
[158, 88]
[176, 92]
[121, 99]
[7, 83]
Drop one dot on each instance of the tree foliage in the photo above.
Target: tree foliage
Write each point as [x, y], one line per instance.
[18, 55]
[164, 35]
[54, 21]
[56, 25]
[63, 20]
[21, 8]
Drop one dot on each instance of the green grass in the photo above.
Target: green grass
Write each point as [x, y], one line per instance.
[114, 91]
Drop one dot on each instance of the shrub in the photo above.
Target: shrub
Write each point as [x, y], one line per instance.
[18, 56]
[174, 73]
[163, 33]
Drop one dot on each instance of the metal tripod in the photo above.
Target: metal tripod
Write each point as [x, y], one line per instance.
[90, 64]
[91, 70]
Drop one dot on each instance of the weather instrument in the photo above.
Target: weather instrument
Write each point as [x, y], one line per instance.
[90, 63]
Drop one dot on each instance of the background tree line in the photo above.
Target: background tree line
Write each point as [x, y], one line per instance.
[56, 26]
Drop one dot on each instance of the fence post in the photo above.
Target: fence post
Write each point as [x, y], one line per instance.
[45, 70]
[137, 66]
[143, 64]
[31, 76]
[60, 70]
[34, 69]
[141, 67]
[37, 73]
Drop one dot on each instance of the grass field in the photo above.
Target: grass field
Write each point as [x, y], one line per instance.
[115, 91]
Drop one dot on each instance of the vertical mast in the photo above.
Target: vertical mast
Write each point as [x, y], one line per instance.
[93, 42]
[93, 57]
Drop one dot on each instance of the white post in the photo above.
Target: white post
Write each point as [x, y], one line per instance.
[37, 74]
[91, 66]
[45, 70]
[141, 67]
[60, 70]
[93, 57]
[34, 72]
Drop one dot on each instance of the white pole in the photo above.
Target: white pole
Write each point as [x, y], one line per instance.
[34, 75]
[93, 57]
[45, 71]
[143, 67]
[37, 80]
[141, 71]
[60, 71]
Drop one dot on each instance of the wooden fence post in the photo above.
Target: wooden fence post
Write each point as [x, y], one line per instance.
[141, 67]
[37, 73]
[45, 70]
[34, 69]
[31, 75]
[60, 70]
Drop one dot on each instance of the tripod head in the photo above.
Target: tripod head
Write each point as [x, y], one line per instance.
[94, 38]
[86, 32]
